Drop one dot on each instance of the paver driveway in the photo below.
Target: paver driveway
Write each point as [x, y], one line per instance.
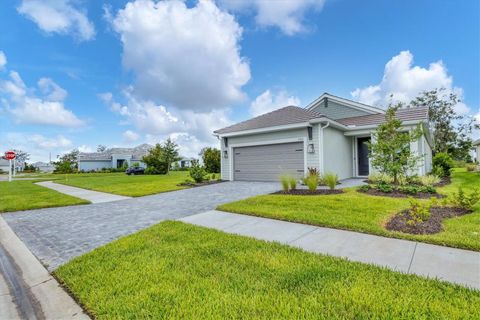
[56, 235]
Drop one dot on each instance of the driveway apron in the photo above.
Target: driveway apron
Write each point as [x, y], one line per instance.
[56, 235]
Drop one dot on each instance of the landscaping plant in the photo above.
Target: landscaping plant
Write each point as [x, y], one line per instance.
[293, 183]
[429, 180]
[471, 167]
[331, 180]
[378, 177]
[389, 150]
[311, 180]
[442, 164]
[211, 159]
[419, 210]
[464, 201]
[384, 187]
[285, 181]
[197, 171]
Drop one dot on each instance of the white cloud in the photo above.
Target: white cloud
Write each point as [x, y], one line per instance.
[58, 16]
[267, 102]
[185, 57]
[84, 148]
[49, 143]
[130, 136]
[26, 107]
[404, 81]
[3, 60]
[288, 16]
[191, 129]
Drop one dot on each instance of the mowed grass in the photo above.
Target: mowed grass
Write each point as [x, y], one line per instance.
[25, 195]
[179, 271]
[122, 184]
[364, 213]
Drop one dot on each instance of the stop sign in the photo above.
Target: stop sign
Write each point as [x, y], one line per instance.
[10, 155]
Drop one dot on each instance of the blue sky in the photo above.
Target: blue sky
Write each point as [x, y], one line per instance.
[80, 73]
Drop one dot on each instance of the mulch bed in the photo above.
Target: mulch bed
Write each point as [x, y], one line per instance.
[305, 192]
[199, 184]
[432, 225]
[445, 181]
[399, 194]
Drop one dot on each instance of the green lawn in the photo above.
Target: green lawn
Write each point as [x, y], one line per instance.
[364, 213]
[24, 195]
[120, 183]
[179, 271]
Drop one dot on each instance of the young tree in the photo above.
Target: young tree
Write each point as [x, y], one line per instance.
[211, 159]
[67, 162]
[155, 160]
[390, 149]
[170, 153]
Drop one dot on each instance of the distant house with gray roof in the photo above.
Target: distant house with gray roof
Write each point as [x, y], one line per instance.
[476, 150]
[113, 158]
[331, 134]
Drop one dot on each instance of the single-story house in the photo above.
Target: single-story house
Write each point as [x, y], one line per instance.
[185, 162]
[4, 164]
[112, 158]
[43, 166]
[476, 149]
[329, 134]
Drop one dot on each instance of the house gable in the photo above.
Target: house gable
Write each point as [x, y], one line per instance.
[336, 108]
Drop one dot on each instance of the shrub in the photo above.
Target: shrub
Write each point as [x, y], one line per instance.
[471, 167]
[384, 187]
[442, 164]
[378, 177]
[311, 181]
[285, 181]
[365, 188]
[213, 177]
[427, 189]
[211, 159]
[331, 180]
[419, 210]
[464, 201]
[197, 172]
[293, 183]
[429, 180]
[409, 189]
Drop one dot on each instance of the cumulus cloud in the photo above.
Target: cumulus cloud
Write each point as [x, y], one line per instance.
[26, 107]
[188, 57]
[288, 16]
[402, 82]
[191, 129]
[269, 101]
[3, 60]
[49, 143]
[130, 136]
[85, 148]
[58, 16]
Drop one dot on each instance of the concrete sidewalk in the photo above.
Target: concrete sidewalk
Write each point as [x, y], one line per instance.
[92, 196]
[27, 290]
[448, 264]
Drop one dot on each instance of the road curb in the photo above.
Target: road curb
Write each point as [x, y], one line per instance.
[54, 302]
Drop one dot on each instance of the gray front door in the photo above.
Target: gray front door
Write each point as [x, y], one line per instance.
[362, 156]
[268, 162]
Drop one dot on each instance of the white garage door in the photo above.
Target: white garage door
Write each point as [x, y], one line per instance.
[268, 162]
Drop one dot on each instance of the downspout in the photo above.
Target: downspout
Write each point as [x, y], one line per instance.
[321, 153]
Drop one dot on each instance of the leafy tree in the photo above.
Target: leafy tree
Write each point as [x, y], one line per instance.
[170, 153]
[68, 162]
[451, 131]
[211, 159]
[101, 148]
[390, 149]
[155, 160]
[21, 156]
[197, 172]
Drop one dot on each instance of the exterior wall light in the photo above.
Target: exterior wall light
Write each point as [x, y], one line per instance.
[311, 148]
[225, 154]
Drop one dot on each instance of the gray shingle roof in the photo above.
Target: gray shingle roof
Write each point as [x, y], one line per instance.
[407, 114]
[280, 117]
[137, 153]
[476, 143]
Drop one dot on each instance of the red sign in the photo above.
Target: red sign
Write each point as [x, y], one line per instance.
[10, 155]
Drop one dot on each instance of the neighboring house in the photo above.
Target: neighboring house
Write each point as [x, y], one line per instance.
[330, 134]
[43, 166]
[4, 165]
[185, 162]
[476, 149]
[112, 158]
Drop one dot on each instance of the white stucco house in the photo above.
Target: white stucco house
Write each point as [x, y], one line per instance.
[112, 158]
[44, 166]
[329, 134]
[476, 150]
[4, 164]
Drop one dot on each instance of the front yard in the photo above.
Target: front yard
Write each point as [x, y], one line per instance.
[25, 195]
[121, 184]
[364, 213]
[179, 271]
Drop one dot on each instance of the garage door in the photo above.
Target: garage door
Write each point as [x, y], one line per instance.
[268, 162]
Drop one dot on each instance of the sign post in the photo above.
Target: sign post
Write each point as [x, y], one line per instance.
[10, 155]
